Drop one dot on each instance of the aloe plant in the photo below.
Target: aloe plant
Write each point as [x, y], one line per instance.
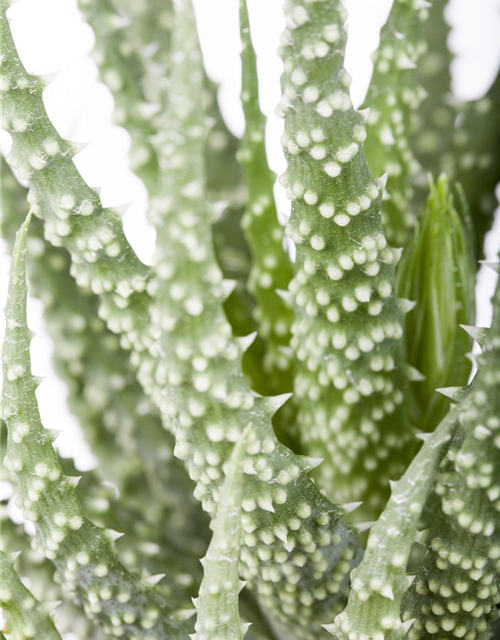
[173, 370]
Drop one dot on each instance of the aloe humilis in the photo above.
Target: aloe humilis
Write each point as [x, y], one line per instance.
[173, 369]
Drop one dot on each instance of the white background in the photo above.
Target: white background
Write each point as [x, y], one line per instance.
[51, 36]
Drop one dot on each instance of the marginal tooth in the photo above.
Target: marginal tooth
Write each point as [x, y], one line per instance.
[49, 78]
[451, 392]
[422, 435]
[73, 480]
[310, 463]
[246, 342]
[113, 535]
[398, 252]
[122, 209]
[494, 266]
[365, 113]
[153, 580]
[414, 374]
[287, 296]
[351, 506]
[53, 433]
[405, 626]
[48, 607]
[477, 333]
[333, 629]
[364, 526]
[242, 584]
[13, 556]
[382, 181]
[472, 357]
[277, 402]
[410, 580]
[78, 147]
[228, 286]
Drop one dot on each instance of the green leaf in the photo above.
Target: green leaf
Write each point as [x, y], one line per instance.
[347, 335]
[457, 587]
[394, 96]
[122, 68]
[437, 272]
[25, 617]
[476, 162]
[102, 259]
[379, 582]
[286, 521]
[120, 423]
[271, 267]
[82, 553]
[434, 120]
[218, 616]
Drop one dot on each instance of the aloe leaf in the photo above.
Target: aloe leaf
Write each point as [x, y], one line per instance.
[393, 98]
[122, 68]
[74, 217]
[271, 267]
[476, 163]
[226, 191]
[459, 139]
[217, 603]
[280, 494]
[437, 273]
[121, 425]
[147, 33]
[133, 45]
[379, 582]
[347, 335]
[434, 120]
[82, 553]
[286, 521]
[24, 615]
[457, 588]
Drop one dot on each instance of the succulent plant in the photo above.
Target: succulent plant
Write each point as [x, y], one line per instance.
[257, 411]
